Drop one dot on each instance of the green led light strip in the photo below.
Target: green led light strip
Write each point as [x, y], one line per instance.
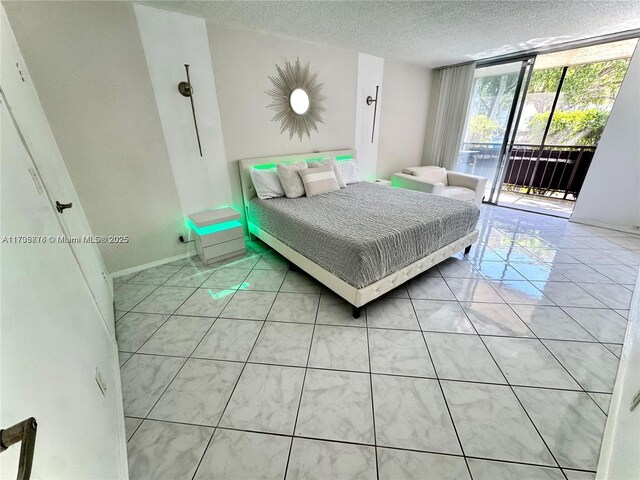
[269, 166]
[266, 166]
[220, 227]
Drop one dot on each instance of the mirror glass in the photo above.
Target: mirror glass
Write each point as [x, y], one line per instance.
[299, 101]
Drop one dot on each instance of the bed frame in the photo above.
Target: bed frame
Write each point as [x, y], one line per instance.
[357, 297]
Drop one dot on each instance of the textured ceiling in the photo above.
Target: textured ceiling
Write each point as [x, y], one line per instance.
[430, 33]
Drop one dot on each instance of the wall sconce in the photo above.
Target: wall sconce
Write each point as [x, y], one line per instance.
[186, 90]
[371, 100]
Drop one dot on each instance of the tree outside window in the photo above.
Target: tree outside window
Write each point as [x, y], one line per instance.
[583, 108]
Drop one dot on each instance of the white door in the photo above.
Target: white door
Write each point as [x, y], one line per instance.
[53, 340]
[23, 100]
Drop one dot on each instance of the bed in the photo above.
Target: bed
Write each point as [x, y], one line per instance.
[363, 240]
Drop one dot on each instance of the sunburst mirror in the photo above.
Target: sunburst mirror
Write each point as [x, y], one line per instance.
[296, 99]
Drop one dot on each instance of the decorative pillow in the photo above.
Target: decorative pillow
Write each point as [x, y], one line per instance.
[334, 165]
[289, 178]
[349, 172]
[266, 183]
[319, 180]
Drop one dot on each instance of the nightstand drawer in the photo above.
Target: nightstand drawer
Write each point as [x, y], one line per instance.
[223, 249]
[222, 236]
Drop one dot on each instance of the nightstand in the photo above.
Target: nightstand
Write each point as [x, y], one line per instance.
[218, 234]
[382, 182]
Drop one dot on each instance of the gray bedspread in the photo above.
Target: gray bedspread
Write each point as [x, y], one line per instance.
[365, 231]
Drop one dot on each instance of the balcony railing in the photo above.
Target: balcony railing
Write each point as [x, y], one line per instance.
[549, 170]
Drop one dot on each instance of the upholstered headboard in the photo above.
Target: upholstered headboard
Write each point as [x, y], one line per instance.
[248, 192]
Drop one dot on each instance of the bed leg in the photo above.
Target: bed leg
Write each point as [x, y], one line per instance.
[356, 312]
[467, 250]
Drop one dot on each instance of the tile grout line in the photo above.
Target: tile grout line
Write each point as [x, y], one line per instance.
[172, 314]
[583, 390]
[504, 336]
[521, 405]
[506, 380]
[304, 379]
[162, 285]
[346, 442]
[545, 346]
[186, 359]
[230, 396]
[131, 311]
[327, 369]
[179, 370]
[511, 387]
[444, 398]
[373, 408]
[595, 340]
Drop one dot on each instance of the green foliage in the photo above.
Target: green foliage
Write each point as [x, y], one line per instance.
[593, 84]
[574, 127]
[543, 81]
[493, 95]
[587, 94]
[482, 129]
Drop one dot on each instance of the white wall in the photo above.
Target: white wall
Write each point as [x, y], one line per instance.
[610, 194]
[112, 118]
[17, 85]
[170, 41]
[370, 75]
[88, 66]
[242, 62]
[403, 117]
[53, 337]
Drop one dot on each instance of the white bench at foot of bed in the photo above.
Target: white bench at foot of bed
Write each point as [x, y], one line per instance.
[361, 296]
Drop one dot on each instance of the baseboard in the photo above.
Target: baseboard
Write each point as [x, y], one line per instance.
[157, 263]
[605, 225]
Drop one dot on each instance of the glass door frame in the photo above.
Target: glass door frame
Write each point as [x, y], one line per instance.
[524, 77]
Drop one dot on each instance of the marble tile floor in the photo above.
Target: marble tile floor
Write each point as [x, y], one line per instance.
[500, 364]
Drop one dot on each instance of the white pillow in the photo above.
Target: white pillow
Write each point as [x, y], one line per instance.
[349, 172]
[319, 180]
[289, 178]
[266, 183]
[333, 164]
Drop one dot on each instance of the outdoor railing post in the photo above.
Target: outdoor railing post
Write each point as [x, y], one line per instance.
[527, 178]
[573, 173]
[512, 156]
[546, 166]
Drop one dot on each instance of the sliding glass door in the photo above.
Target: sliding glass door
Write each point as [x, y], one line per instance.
[492, 109]
[533, 125]
[568, 101]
